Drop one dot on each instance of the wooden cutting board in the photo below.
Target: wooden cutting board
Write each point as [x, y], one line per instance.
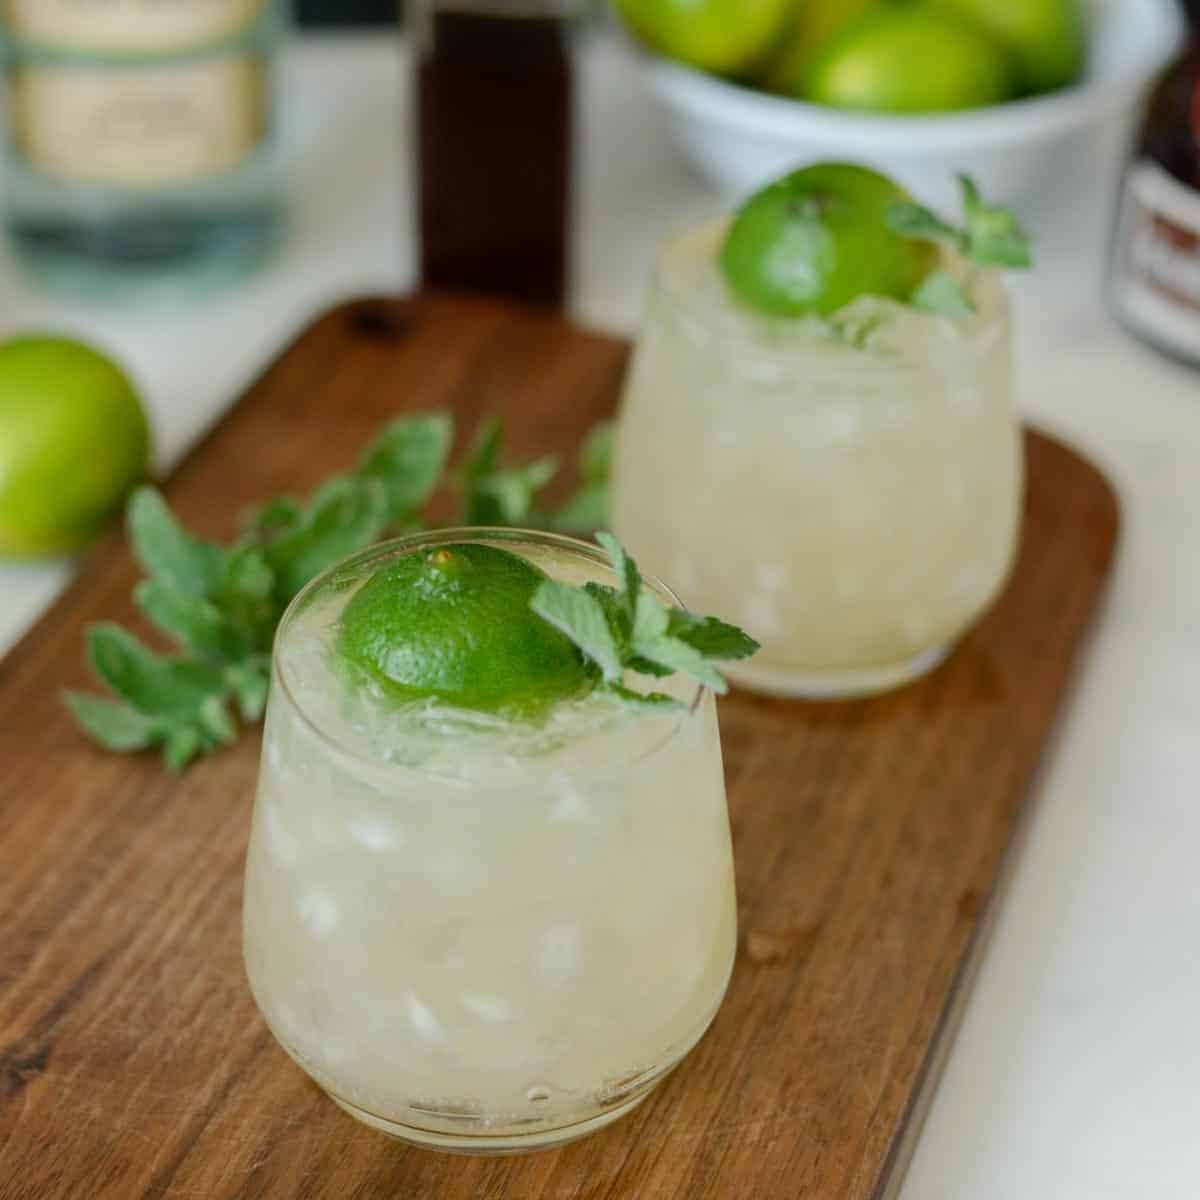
[870, 838]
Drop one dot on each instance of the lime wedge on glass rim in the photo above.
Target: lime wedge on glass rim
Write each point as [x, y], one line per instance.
[818, 238]
[454, 624]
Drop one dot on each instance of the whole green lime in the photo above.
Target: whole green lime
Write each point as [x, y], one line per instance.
[73, 441]
[454, 623]
[812, 24]
[1048, 38]
[911, 59]
[818, 238]
[724, 36]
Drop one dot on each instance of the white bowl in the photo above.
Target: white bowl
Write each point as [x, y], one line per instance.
[741, 138]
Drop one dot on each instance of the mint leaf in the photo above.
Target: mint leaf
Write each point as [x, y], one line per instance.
[408, 458]
[215, 720]
[922, 224]
[587, 508]
[166, 550]
[247, 594]
[493, 495]
[579, 615]
[183, 701]
[112, 723]
[484, 454]
[660, 640]
[344, 515]
[712, 638]
[990, 235]
[942, 295]
[247, 576]
[270, 520]
[994, 237]
[183, 743]
[615, 610]
[249, 683]
[626, 571]
[679, 656]
[507, 497]
[196, 623]
[154, 685]
[650, 622]
[651, 619]
[595, 458]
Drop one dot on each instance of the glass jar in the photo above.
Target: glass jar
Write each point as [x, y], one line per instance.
[142, 158]
[849, 494]
[474, 934]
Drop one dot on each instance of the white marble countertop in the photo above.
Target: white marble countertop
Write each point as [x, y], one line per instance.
[1077, 1072]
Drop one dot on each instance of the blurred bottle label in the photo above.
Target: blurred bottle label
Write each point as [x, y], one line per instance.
[1156, 283]
[139, 126]
[128, 26]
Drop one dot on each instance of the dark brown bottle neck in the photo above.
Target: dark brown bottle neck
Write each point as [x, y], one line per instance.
[489, 40]
[510, 32]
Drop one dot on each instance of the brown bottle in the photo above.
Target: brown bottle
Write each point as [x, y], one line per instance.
[1154, 283]
[494, 134]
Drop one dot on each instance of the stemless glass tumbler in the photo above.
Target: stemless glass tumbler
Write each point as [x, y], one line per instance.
[848, 493]
[477, 934]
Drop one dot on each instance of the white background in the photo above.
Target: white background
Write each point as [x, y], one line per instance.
[1077, 1073]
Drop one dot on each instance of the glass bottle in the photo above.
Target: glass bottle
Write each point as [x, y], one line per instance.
[494, 104]
[1154, 282]
[141, 155]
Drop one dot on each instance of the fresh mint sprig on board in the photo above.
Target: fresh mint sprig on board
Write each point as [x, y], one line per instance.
[221, 604]
[990, 235]
[628, 629]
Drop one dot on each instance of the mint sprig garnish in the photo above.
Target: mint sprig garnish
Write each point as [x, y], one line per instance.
[942, 295]
[990, 235]
[628, 629]
[493, 494]
[221, 604]
[587, 508]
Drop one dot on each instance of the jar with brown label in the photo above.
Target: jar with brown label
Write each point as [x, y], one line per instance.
[141, 147]
[1154, 283]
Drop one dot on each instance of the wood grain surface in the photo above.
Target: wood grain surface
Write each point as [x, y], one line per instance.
[869, 839]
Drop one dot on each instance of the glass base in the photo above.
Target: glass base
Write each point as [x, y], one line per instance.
[137, 247]
[478, 1141]
[833, 685]
[145, 260]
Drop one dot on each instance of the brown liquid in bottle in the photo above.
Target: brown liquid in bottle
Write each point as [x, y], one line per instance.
[494, 118]
[1155, 278]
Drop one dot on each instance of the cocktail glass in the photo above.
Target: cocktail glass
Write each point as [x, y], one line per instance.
[478, 934]
[847, 491]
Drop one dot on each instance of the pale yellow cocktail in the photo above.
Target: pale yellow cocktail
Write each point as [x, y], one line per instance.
[476, 933]
[849, 490]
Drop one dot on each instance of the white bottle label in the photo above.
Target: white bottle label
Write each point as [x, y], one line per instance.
[1156, 280]
[139, 126]
[128, 26]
